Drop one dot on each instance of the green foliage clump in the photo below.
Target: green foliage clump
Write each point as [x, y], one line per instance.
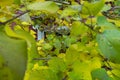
[59, 40]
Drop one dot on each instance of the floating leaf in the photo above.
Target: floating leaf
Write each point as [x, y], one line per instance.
[44, 6]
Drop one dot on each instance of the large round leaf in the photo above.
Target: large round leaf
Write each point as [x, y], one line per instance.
[92, 8]
[14, 52]
[109, 44]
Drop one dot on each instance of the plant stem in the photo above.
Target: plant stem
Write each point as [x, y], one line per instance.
[3, 23]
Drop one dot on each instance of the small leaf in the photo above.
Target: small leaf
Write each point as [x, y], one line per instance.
[82, 70]
[57, 44]
[17, 1]
[72, 54]
[47, 46]
[44, 6]
[68, 12]
[57, 64]
[92, 8]
[78, 28]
